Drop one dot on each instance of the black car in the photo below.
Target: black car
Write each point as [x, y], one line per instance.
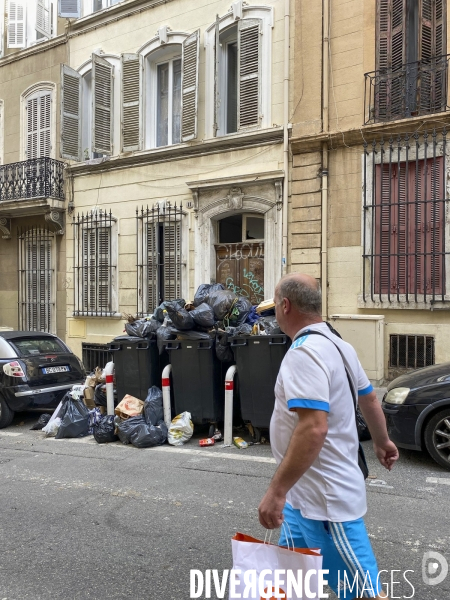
[417, 410]
[36, 370]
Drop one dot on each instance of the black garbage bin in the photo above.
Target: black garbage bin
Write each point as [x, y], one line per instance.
[258, 359]
[136, 365]
[197, 379]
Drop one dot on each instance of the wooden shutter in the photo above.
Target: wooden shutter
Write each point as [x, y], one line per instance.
[102, 105]
[43, 23]
[69, 9]
[432, 46]
[249, 59]
[70, 114]
[172, 259]
[103, 268]
[216, 75]
[189, 101]
[96, 269]
[16, 23]
[38, 289]
[132, 67]
[38, 126]
[152, 270]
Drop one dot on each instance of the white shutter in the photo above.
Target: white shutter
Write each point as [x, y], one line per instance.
[102, 100]
[43, 24]
[172, 259]
[191, 46]
[38, 126]
[249, 59]
[216, 75]
[131, 102]
[16, 23]
[70, 113]
[69, 9]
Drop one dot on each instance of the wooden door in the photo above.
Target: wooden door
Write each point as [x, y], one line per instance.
[240, 268]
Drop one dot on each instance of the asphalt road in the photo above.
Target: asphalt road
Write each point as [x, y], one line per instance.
[83, 521]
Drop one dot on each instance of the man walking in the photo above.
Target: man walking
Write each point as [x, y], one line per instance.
[318, 489]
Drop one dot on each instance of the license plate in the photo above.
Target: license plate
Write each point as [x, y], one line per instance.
[49, 370]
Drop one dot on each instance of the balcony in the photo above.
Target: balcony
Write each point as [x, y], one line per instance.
[32, 187]
[416, 89]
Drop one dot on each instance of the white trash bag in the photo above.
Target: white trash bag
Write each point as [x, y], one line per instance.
[51, 429]
[181, 429]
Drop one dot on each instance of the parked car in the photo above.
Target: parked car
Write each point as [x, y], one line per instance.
[36, 370]
[417, 410]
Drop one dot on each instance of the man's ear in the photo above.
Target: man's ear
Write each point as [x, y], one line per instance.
[287, 306]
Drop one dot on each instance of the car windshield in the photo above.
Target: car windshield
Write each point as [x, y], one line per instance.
[42, 345]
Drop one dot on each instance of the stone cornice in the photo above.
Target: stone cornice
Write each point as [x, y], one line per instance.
[181, 151]
[32, 50]
[357, 137]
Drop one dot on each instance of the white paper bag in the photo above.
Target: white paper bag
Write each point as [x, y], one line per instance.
[252, 557]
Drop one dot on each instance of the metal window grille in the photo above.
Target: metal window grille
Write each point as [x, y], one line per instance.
[405, 203]
[94, 264]
[36, 275]
[95, 355]
[411, 351]
[159, 255]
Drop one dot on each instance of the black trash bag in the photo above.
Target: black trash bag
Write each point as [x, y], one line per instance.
[75, 422]
[179, 316]
[270, 325]
[41, 422]
[159, 312]
[143, 328]
[153, 406]
[144, 435]
[241, 310]
[194, 335]
[244, 329]
[104, 430]
[203, 315]
[164, 334]
[203, 291]
[221, 302]
[126, 428]
[224, 352]
[100, 395]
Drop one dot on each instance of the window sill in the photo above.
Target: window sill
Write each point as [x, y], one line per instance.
[96, 315]
[402, 303]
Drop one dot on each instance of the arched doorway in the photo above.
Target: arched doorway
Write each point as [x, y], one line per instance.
[240, 255]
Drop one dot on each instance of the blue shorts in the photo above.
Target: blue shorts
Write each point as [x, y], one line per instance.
[346, 549]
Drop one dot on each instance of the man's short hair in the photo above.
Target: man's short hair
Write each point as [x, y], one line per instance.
[302, 296]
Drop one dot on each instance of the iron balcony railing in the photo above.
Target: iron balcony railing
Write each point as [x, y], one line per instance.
[34, 178]
[417, 88]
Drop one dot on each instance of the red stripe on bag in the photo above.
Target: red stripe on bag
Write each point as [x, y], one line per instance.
[242, 537]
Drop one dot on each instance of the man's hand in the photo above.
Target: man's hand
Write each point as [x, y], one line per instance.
[387, 454]
[271, 509]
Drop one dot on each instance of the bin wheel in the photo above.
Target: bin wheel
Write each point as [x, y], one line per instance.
[212, 429]
[257, 435]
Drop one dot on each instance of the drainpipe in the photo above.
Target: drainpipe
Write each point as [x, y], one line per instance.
[286, 133]
[325, 128]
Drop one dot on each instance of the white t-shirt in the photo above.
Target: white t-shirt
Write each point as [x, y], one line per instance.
[312, 375]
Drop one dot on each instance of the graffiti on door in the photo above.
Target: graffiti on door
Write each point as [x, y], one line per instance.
[240, 268]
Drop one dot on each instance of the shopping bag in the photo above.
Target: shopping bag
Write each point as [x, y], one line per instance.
[129, 407]
[258, 563]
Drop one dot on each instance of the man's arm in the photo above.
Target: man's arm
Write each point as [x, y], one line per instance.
[306, 442]
[385, 450]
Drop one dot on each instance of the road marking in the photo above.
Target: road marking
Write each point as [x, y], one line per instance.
[441, 480]
[380, 483]
[217, 454]
[10, 433]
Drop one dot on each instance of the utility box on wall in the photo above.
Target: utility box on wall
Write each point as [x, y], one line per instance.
[366, 334]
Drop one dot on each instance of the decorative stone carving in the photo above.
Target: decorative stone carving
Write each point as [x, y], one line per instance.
[56, 220]
[5, 228]
[235, 199]
[279, 194]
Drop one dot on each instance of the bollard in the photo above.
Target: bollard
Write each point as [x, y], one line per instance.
[165, 384]
[109, 374]
[228, 419]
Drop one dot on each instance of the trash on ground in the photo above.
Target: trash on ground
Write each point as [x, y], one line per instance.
[74, 416]
[104, 430]
[153, 406]
[129, 407]
[181, 429]
[41, 422]
[207, 442]
[240, 443]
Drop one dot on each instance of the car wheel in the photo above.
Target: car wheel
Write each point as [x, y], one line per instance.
[437, 437]
[6, 414]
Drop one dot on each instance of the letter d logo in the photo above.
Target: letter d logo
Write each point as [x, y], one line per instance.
[434, 568]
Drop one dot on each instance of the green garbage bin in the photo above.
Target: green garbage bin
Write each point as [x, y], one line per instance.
[136, 365]
[197, 379]
[258, 360]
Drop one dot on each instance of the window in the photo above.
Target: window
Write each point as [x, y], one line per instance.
[2, 132]
[168, 102]
[38, 124]
[411, 351]
[89, 129]
[95, 264]
[38, 345]
[159, 256]
[238, 78]
[16, 23]
[405, 208]
[36, 280]
[43, 19]
[70, 9]
[30, 21]
[411, 62]
[101, 4]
